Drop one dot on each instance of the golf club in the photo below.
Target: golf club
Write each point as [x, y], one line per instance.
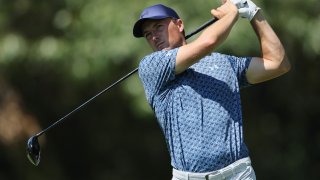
[33, 146]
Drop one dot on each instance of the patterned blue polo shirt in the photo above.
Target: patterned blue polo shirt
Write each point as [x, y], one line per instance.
[199, 110]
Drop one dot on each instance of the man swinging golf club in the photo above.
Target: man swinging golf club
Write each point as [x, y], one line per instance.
[195, 93]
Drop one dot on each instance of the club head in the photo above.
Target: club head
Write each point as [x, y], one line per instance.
[33, 150]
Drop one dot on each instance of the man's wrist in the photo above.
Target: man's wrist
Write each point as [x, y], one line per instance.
[254, 13]
[258, 16]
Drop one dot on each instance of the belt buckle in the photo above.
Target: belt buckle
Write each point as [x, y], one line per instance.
[213, 175]
[206, 177]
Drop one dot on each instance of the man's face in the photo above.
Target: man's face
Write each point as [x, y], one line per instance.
[164, 33]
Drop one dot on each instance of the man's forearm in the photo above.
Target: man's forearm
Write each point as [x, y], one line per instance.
[271, 47]
[209, 39]
[219, 31]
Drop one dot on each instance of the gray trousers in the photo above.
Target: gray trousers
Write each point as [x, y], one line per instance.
[239, 170]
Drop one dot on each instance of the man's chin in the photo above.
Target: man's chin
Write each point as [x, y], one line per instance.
[162, 48]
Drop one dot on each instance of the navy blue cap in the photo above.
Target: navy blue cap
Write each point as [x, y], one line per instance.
[158, 11]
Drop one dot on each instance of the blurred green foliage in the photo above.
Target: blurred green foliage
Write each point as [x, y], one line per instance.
[54, 55]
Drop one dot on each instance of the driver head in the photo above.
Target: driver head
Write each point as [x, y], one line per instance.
[33, 150]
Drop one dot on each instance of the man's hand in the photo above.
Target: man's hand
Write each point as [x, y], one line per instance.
[247, 9]
[228, 7]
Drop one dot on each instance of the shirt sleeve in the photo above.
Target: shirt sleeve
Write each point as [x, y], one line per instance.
[156, 70]
[240, 66]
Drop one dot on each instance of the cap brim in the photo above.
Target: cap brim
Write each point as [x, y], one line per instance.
[137, 28]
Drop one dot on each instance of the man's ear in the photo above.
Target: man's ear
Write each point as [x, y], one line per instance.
[180, 25]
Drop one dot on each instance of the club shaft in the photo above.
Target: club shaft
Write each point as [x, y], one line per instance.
[88, 101]
[208, 23]
[117, 82]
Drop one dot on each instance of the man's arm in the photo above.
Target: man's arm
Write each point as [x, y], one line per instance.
[209, 39]
[273, 61]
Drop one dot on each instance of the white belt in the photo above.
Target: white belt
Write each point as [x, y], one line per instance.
[223, 173]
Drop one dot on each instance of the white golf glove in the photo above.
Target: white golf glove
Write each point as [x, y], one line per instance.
[247, 9]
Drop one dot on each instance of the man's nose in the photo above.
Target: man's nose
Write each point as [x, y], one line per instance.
[155, 35]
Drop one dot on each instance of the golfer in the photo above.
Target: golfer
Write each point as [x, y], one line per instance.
[195, 92]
